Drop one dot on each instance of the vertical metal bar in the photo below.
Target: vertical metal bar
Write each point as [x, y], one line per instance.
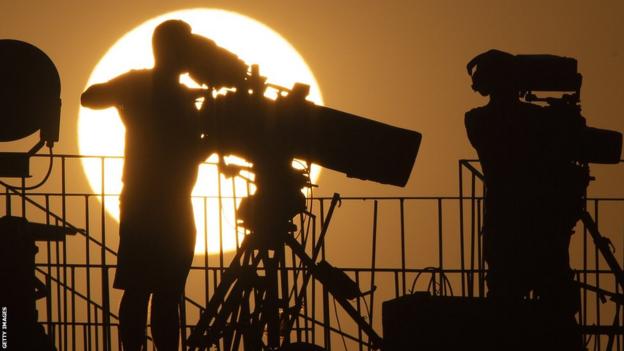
[325, 296]
[282, 277]
[358, 306]
[402, 215]
[64, 217]
[49, 307]
[88, 268]
[373, 262]
[119, 347]
[206, 272]
[480, 256]
[313, 290]
[585, 267]
[322, 209]
[73, 306]
[234, 204]
[106, 335]
[97, 330]
[85, 343]
[65, 299]
[440, 248]
[220, 201]
[215, 278]
[295, 274]
[462, 264]
[49, 301]
[472, 237]
[58, 295]
[597, 266]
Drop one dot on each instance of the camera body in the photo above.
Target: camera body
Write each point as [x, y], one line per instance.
[527, 75]
[245, 123]
[269, 133]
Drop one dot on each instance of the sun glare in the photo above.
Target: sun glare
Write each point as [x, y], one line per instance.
[101, 132]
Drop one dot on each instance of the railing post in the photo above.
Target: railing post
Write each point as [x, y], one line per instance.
[441, 249]
[461, 230]
[402, 214]
[106, 335]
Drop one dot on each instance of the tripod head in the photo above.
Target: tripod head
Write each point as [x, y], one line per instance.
[277, 199]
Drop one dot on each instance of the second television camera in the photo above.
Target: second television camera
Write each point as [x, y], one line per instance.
[528, 74]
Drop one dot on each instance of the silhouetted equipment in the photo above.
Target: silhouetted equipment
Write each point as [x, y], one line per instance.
[30, 101]
[565, 147]
[247, 124]
[214, 66]
[270, 134]
[20, 287]
[424, 322]
[30, 90]
[549, 73]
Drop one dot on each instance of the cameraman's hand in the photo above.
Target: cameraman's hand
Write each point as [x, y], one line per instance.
[229, 171]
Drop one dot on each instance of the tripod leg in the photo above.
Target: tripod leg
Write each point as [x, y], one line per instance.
[352, 312]
[308, 274]
[281, 261]
[233, 280]
[271, 305]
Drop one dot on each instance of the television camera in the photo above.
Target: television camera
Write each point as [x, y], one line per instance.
[270, 134]
[245, 122]
[567, 145]
[527, 74]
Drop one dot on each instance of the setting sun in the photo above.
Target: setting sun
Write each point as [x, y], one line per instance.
[101, 132]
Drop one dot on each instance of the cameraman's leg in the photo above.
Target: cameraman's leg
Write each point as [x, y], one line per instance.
[165, 320]
[132, 319]
[560, 296]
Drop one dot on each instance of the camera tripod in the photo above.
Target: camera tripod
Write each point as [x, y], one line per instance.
[254, 296]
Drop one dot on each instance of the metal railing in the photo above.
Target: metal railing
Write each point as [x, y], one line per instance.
[599, 317]
[397, 244]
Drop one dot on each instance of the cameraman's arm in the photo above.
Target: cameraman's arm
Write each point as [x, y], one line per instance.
[99, 96]
[104, 95]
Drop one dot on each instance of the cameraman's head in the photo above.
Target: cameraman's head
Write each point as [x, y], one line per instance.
[170, 42]
[493, 73]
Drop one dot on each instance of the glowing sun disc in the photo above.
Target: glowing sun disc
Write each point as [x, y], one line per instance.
[101, 132]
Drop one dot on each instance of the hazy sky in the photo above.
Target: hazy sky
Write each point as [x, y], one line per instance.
[400, 62]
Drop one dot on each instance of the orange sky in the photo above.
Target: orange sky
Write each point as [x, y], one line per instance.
[400, 62]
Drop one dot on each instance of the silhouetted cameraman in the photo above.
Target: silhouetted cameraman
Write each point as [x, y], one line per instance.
[534, 194]
[162, 153]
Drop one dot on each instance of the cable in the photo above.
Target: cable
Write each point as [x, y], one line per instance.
[344, 342]
[32, 187]
[303, 233]
[368, 311]
[432, 283]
